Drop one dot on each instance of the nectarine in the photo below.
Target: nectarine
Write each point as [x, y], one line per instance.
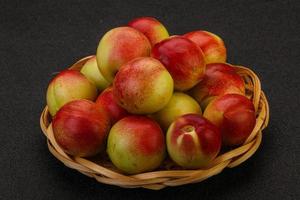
[234, 114]
[212, 45]
[193, 141]
[107, 101]
[81, 129]
[179, 104]
[117, 47]
[91, 71]
[151, 28]
[69, 85]
[219, 79]
[136, 144]
[183, 59]
[143, 86]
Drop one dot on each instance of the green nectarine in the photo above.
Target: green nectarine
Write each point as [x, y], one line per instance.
[179, 104]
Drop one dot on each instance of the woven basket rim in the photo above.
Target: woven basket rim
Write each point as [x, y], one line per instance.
[105, 172]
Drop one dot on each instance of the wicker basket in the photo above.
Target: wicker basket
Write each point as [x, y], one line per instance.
[168, 174]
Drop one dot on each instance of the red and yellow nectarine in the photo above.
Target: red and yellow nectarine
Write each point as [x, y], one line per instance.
[81, 129]
[234, 114]
[219, 79]
[117, 47]
[107, 101]
[193, 141]
[183, 59]
[69, 85]
[136, 144]
[212, 45]
[143, 86]
[151, 28]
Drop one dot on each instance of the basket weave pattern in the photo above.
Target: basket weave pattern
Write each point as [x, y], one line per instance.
[168, 174]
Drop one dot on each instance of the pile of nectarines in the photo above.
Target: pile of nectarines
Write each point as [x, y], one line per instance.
[147, 96]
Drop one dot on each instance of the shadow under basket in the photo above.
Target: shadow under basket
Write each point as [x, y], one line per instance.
[168, 174]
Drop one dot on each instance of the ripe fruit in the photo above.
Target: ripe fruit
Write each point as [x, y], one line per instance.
[143, 86]
[136, 144]
[151, 28]
[80, 128]
[69, 85]
[179, 104]
[107, 101]
[91, 71]
[234, 114]
[219, 79]
[212, 45]
[183, 59]
[117, 47]
[193, 141]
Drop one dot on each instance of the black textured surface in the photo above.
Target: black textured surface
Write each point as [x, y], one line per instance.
[39, 38]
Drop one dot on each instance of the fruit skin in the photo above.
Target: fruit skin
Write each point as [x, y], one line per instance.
[69, 85]
[107, 101]
[91, 71]
[80, 128]
[136, 144]
[117, 47]
[154, 30]
[219, 79]
[143, 86]
[193, 141]
[212, 45]
[183, 59]
[234, 114]
[178, 105]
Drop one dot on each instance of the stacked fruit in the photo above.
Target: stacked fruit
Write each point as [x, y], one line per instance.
[152, 89]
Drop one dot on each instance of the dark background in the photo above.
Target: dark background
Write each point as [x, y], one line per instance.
[38, 38]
